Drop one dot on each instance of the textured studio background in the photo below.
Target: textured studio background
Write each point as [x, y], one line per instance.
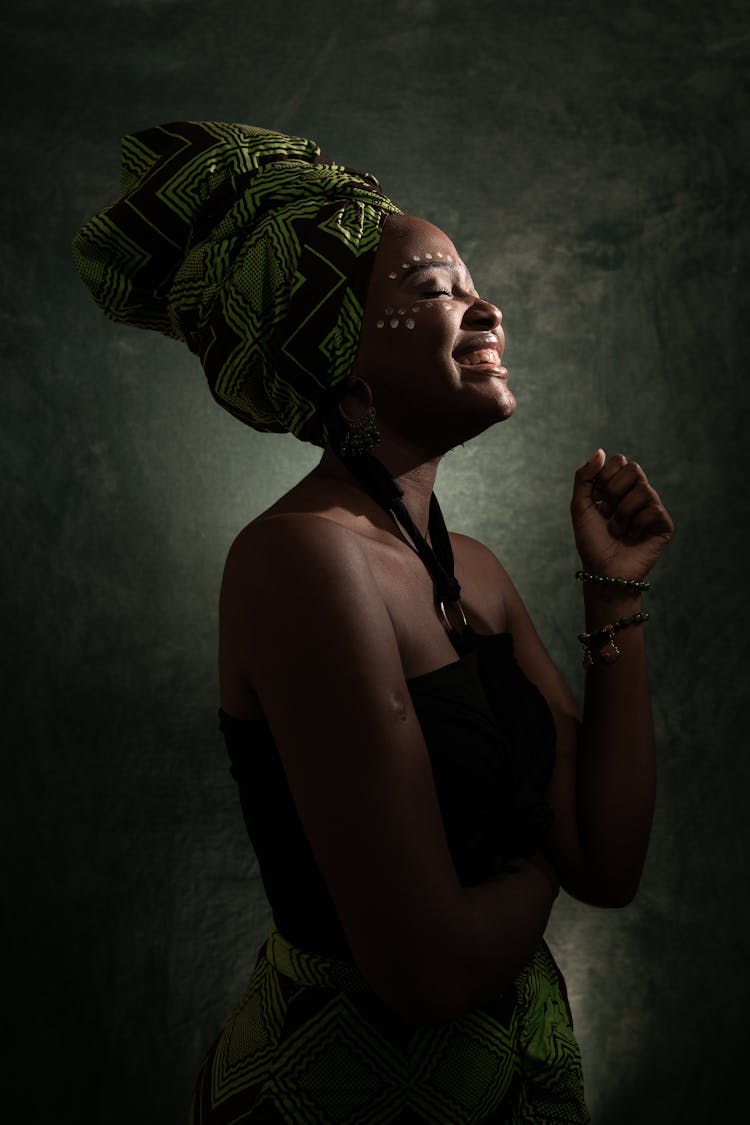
[590, 161]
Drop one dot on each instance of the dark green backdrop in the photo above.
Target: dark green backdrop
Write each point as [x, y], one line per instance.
[590, 161]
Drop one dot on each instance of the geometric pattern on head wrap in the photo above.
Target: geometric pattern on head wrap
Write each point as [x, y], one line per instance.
[250, 246]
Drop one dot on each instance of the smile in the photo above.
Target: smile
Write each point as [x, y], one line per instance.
[480, 357]
[483, 350]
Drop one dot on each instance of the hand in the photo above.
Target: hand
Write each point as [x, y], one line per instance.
[620, 525]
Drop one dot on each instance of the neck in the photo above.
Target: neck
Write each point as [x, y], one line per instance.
[415, 479]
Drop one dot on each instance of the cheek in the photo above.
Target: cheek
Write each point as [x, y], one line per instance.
[409, 316]
[398, 316]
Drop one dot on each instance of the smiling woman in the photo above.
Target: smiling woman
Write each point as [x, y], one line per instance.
[449, 369]
[414, 777]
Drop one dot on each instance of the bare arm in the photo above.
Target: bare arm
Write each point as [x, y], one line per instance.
[602, 788]
[603, 785]
[319, 649]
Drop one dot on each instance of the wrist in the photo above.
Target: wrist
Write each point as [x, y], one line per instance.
[610, 595]
[612, 603]
[602, 603]
[602, 578]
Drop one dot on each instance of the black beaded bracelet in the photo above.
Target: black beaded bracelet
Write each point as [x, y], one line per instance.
[609, 651]
[628, 583]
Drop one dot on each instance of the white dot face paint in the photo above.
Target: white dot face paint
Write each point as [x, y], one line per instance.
[415, 308]
[428, 255]
[415, 258]
[394, 323]
[409, 322]
[388, 311]
[404, 265]
[392, 276]
[401, 311]
[381, 323]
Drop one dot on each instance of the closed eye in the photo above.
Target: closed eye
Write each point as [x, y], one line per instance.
[438, 293]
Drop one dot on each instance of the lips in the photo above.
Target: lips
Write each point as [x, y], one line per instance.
[481, 355]
[481, 350]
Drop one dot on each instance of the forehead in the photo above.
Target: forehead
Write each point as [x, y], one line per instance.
[408, 238]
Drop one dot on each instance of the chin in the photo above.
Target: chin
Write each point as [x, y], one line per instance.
[498, 409]
[478, 423]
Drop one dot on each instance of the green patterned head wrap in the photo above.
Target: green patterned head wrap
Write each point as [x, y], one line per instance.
[254, 249]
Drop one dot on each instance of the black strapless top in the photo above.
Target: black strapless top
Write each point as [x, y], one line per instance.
[491, 739]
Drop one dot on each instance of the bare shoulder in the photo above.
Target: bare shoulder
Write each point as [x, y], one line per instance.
[286, 570]
[487, 584]
[299, 553]
[296, 582]
[278, 532]
[487, 593]
[477, 557]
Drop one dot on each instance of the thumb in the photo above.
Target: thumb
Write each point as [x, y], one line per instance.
[585, 479]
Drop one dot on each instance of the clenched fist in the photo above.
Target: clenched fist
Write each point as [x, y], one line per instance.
[620, 525]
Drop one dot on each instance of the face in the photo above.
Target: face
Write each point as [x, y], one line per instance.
[430, 347]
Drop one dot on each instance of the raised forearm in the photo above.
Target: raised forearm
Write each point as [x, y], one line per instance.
[616, 774]
[621, 528]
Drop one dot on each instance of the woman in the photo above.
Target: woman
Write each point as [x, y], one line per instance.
[414, 776]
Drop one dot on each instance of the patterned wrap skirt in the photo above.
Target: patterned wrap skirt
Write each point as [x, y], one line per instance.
[311, 1044]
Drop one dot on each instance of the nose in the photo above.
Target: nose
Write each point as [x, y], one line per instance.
[484, 313]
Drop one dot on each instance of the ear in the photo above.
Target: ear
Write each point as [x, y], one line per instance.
[355, 397]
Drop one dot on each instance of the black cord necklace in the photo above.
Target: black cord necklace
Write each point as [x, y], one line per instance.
[438, 559]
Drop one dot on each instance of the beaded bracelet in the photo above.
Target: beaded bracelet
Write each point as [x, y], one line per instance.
[628, 583]
[609, 651]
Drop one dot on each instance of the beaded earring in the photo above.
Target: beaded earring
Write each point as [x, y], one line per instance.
[361, 434]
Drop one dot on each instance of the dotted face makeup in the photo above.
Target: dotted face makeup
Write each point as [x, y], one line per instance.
[393, 316]
[438, 256]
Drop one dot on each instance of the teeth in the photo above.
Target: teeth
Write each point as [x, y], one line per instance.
[481, 355]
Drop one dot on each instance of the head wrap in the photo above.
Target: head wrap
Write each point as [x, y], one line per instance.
[253, 248]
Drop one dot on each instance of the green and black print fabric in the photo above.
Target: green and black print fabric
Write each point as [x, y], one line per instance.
[253, 248]
[311, 1044]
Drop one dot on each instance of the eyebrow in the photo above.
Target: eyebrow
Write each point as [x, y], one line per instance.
[420, 267]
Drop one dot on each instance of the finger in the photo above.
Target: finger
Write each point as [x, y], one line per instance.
[584, 481]
[619, 482]
[654, 519]
[640, 496]
[608, 471]
[610, 466]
